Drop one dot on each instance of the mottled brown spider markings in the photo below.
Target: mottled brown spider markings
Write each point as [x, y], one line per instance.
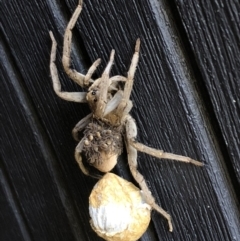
[110, 122]
[101, 142]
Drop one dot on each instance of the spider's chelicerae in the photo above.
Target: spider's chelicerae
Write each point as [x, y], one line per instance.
[110, 124]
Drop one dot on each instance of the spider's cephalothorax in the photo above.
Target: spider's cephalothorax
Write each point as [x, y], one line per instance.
[110, 120]
[102, 145]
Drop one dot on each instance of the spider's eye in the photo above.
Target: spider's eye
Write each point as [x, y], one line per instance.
[94, 92]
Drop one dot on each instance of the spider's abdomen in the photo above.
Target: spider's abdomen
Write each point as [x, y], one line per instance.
[102, 145]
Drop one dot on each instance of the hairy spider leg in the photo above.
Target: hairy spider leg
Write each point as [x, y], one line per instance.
[125, 105]
[78, 157]
[82, 80]
[91, 70]
[81, 125]
[102, 85]
[163, 155]
[69, 96]
[131, 133]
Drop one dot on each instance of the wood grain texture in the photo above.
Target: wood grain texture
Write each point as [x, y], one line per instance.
[28, 162]
[171, 114]
[213, 30]
[10, 213]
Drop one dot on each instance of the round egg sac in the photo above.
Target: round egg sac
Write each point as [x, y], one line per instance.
[117, 209]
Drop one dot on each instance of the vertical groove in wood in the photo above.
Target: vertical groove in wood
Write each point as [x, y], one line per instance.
[213, 32]
[13, 210]
[29, 117]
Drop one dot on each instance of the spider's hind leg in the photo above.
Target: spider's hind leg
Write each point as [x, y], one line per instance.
[163, 155]
[131, 133]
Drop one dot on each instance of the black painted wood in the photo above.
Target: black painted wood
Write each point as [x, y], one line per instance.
[213, 29]
[41, 185]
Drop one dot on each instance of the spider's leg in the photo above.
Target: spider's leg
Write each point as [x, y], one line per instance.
[78, 157]
[90, 72]
[161, 154]
[131, 71]
[129, 82]
[114, 82]
[118, 78]
[131, 133]
[81, 125]
[69, 96]
[67, 41]
[102, 84]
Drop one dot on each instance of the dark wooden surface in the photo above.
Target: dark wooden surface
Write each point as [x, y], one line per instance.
[186, 100]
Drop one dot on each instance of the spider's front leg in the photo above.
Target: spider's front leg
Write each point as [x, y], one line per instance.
[97, 96]
[69, 96]
[125, 104]
[82, 80]
[131, 133]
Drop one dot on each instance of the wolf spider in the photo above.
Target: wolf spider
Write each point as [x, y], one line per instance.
[109, 124]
